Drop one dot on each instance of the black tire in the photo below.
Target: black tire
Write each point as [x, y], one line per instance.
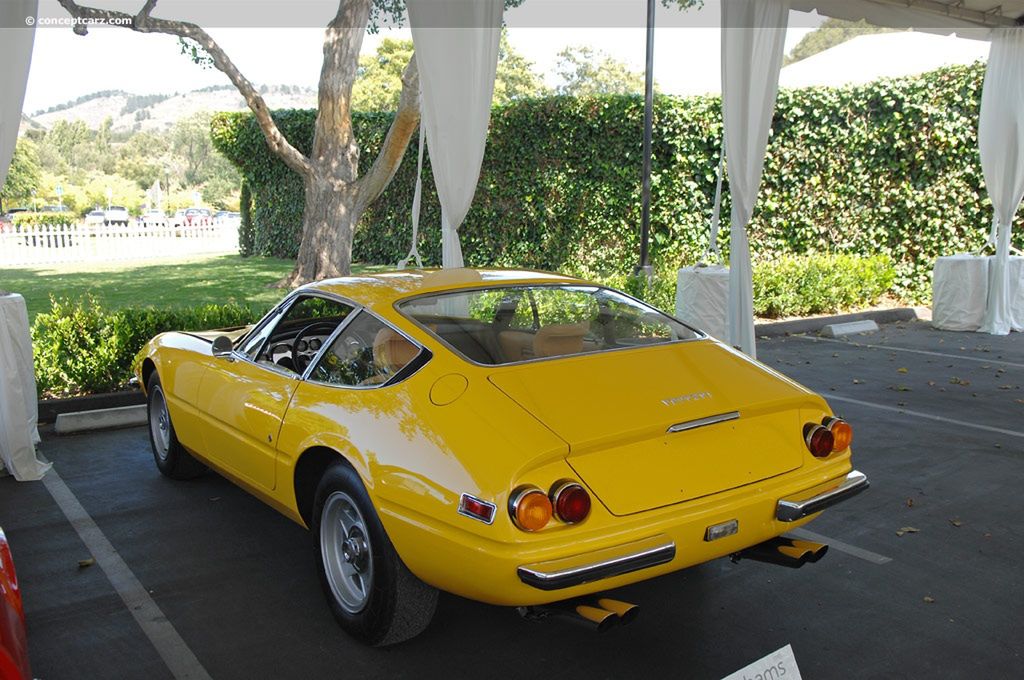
[170, 456]
[395, 605]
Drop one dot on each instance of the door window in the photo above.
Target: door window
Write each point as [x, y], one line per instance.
[367, 352]
[291, 342]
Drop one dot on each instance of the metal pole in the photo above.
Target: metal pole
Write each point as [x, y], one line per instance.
[645, 220]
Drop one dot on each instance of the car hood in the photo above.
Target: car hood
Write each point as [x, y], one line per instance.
[617, 412]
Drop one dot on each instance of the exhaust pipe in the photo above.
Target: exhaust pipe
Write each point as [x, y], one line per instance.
[602, 616]
[786, 552]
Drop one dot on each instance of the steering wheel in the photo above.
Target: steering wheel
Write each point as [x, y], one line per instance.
[300, 361]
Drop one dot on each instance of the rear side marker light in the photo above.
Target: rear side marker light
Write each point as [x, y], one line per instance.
[570, 501]
[842, 433]
[818, 439]
[476, 508]
[530, 508]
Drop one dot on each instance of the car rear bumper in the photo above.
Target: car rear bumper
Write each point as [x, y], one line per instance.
[791, 510]
[569, 571]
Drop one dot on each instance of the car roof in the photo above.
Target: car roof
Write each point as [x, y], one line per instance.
[386, 288]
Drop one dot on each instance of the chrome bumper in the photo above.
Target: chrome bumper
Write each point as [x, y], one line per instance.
[790, 511]
[622, 559]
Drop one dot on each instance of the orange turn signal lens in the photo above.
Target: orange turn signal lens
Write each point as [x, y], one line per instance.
[530, 508]
[842, 433]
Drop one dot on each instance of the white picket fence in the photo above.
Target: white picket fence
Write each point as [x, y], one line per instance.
[43, 244]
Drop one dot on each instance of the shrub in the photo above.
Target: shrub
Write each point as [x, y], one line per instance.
[82, 348]
[790, 285]
[48, 219]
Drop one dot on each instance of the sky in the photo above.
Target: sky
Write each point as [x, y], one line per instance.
[287, 50]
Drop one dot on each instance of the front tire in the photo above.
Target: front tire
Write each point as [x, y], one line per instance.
[371, 593]
[171, 457]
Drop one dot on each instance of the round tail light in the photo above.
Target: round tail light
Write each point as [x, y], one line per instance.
[530, 508]
[842, 433]
[818, 439]
[571, 502]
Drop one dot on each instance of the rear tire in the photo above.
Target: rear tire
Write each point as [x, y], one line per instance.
[171, 457]
[371, 593]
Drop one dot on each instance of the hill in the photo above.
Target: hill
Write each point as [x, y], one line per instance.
[155, 112]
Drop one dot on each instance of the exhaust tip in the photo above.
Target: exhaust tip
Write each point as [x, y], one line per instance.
[626, 611]
[783, 551]
[601, 619]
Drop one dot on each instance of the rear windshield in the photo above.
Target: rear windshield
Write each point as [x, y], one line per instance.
[510, 324]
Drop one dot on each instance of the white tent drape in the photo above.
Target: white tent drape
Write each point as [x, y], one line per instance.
[1001, 142]
[753, 37]
[457, 54]
[15, 57]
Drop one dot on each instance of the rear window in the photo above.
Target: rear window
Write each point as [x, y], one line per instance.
[510, 324]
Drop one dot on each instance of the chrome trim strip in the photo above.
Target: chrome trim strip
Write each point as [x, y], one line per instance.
[790, 511]
[701, 422]
[558, 574]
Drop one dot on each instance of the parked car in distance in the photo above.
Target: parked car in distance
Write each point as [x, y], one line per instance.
[116, 214]
[154, 218]
[95, 218]
[198, 217]
[54, 208]
[14, 663]
[178, 219]
[513, 437]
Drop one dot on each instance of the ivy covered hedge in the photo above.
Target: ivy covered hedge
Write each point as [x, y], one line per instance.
[81, 348]
[887, 168]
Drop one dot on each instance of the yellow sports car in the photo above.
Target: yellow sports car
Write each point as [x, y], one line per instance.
[513, 437]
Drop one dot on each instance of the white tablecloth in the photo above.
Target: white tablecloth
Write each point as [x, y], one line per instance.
[959, 292]
[18, 407]
[1017, 293]
[702, 299]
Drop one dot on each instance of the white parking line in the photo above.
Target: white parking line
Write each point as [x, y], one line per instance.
[907, 349]
[832, 543]
[929, 416]
[179, 659]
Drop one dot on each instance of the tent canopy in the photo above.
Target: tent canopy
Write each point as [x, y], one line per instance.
[943, 16]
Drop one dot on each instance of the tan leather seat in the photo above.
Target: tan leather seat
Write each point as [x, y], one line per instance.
[391, 351]
[560, 339]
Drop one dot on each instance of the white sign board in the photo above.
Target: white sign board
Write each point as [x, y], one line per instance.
[779, 665]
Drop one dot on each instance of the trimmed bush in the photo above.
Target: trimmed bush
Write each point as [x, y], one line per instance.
[890, 167]
[792, 285]
[48, 219]
[81, 348]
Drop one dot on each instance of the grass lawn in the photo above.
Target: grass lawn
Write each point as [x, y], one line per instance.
[162, 283]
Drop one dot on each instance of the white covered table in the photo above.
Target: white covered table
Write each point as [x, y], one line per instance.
[959, 292]
[18, 407]
[702, 299]
[1017, 293]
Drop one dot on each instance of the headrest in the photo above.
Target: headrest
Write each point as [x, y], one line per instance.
[559, 339]
[391, 351]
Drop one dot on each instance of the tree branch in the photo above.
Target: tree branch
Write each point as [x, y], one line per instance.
[407, 118]
[143, 22]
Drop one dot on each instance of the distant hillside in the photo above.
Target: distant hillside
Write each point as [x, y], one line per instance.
[131, 112]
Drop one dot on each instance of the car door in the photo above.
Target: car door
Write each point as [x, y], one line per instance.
[244, 396]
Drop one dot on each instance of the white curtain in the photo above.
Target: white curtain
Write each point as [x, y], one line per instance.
[457, 54]
[1001, 142]
[16, 37]
[18, 406]
[753, 37]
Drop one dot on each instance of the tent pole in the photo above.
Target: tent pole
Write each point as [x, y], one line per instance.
[645, 220]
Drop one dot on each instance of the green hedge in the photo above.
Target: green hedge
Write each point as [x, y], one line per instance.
[81, 347]
[887, 168]
[49, 219]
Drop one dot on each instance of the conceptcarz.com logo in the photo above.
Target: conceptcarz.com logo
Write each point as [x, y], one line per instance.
[682, 398]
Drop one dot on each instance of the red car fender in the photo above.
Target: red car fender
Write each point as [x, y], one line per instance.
[13, 639]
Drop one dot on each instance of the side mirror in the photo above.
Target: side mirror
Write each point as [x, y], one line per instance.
[222, 346]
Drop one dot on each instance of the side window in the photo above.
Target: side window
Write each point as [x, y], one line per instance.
[292, 340]
[367, 352]
[255, 341]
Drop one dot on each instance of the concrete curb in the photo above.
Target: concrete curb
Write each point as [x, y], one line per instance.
[49, 409]
[814, 324]
[100, 419]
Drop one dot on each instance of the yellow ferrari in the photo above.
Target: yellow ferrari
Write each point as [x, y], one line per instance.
[514, 437]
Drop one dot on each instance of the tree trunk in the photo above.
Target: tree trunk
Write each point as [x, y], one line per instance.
[329, 221]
